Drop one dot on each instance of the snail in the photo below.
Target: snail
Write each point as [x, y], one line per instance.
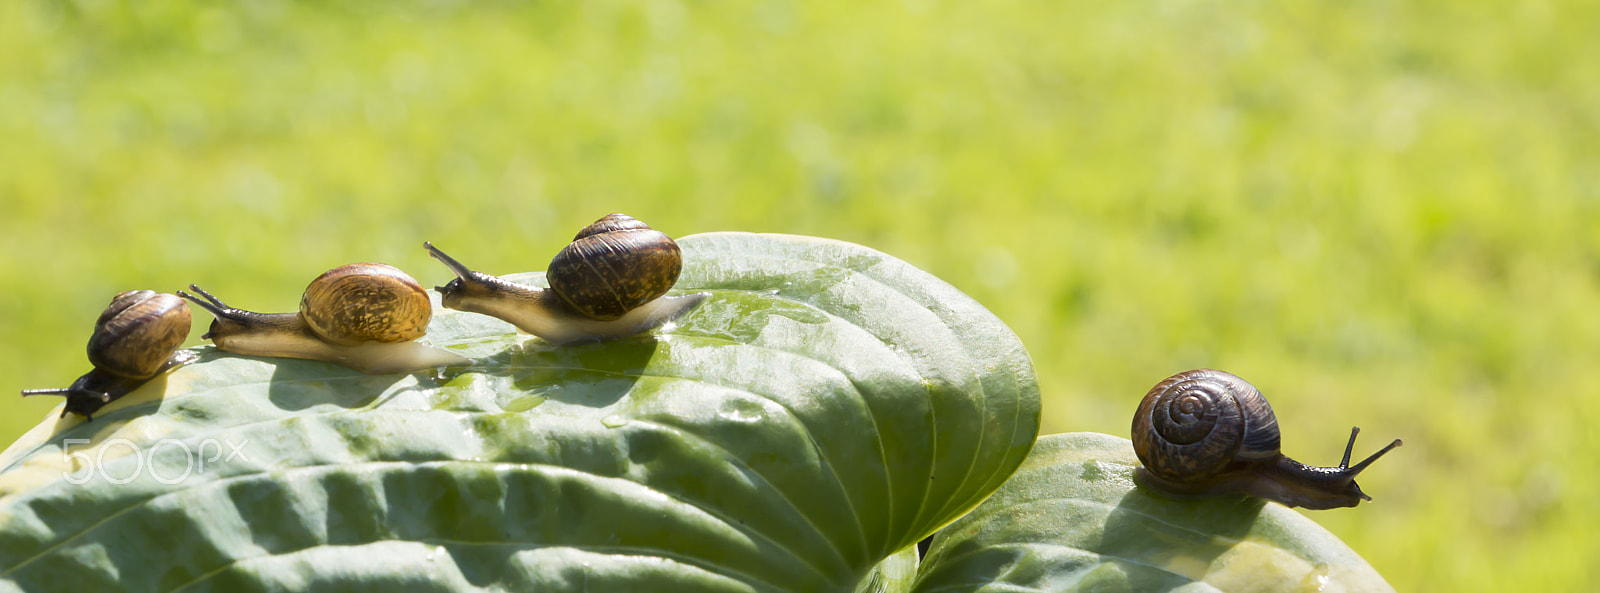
[1205, 433]
[363, 316]
[135, 339]
[607, 284]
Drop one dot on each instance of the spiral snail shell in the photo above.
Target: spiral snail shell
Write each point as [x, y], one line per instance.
[613, 266]
[361, 303]
[608, 283]
[363, 316]
[1206, 433]
[135, 339]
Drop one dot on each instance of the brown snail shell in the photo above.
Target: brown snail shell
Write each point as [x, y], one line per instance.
[613, 266]
[1195, 424]
[1209, 433]
[135, 338]
[138, 333]
[368, 302]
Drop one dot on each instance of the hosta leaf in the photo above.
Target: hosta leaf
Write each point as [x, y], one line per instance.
[1071, 519]
[825, 408]
[894, 574]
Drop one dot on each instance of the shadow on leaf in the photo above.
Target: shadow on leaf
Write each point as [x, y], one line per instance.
[1179, 539]
[300, 384]
[589, 375]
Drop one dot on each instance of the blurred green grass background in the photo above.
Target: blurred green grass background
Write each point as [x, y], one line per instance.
[1381, 213]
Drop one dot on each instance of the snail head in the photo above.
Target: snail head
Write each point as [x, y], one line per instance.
[1318, 487]
[1348, 472]
[86, 395]
[228, 321]
[470, 291]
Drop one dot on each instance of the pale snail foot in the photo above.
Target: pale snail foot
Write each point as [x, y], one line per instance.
[558, 325]
[377, 358]
[373, 358]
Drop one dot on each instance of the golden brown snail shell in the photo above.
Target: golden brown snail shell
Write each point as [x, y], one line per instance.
[368, 302]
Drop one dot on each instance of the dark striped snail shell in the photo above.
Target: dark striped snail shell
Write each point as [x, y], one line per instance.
[614, 266]
[135, 339]
[1208, 433]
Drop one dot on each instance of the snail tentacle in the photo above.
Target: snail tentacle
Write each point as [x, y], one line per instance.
[1345, 464]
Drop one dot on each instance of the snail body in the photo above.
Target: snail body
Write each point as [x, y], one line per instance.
[1208, 433]
[363, 316]
[609, 283]
[135, 339]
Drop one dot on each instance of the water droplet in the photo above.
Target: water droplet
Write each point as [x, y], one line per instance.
[614, 421]
[741, 411]
[1317, 579]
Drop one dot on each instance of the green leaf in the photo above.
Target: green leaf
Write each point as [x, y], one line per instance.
[1071, 519]
[896, 574]
[827, 406]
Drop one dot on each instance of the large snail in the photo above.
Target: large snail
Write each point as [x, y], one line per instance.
[607, 284]
[363, 316]
[1205, 433]
[135, 339]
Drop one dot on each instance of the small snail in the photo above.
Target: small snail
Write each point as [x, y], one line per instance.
[363, 316]
[135, 339]
[1204, 433]
[607, 284]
